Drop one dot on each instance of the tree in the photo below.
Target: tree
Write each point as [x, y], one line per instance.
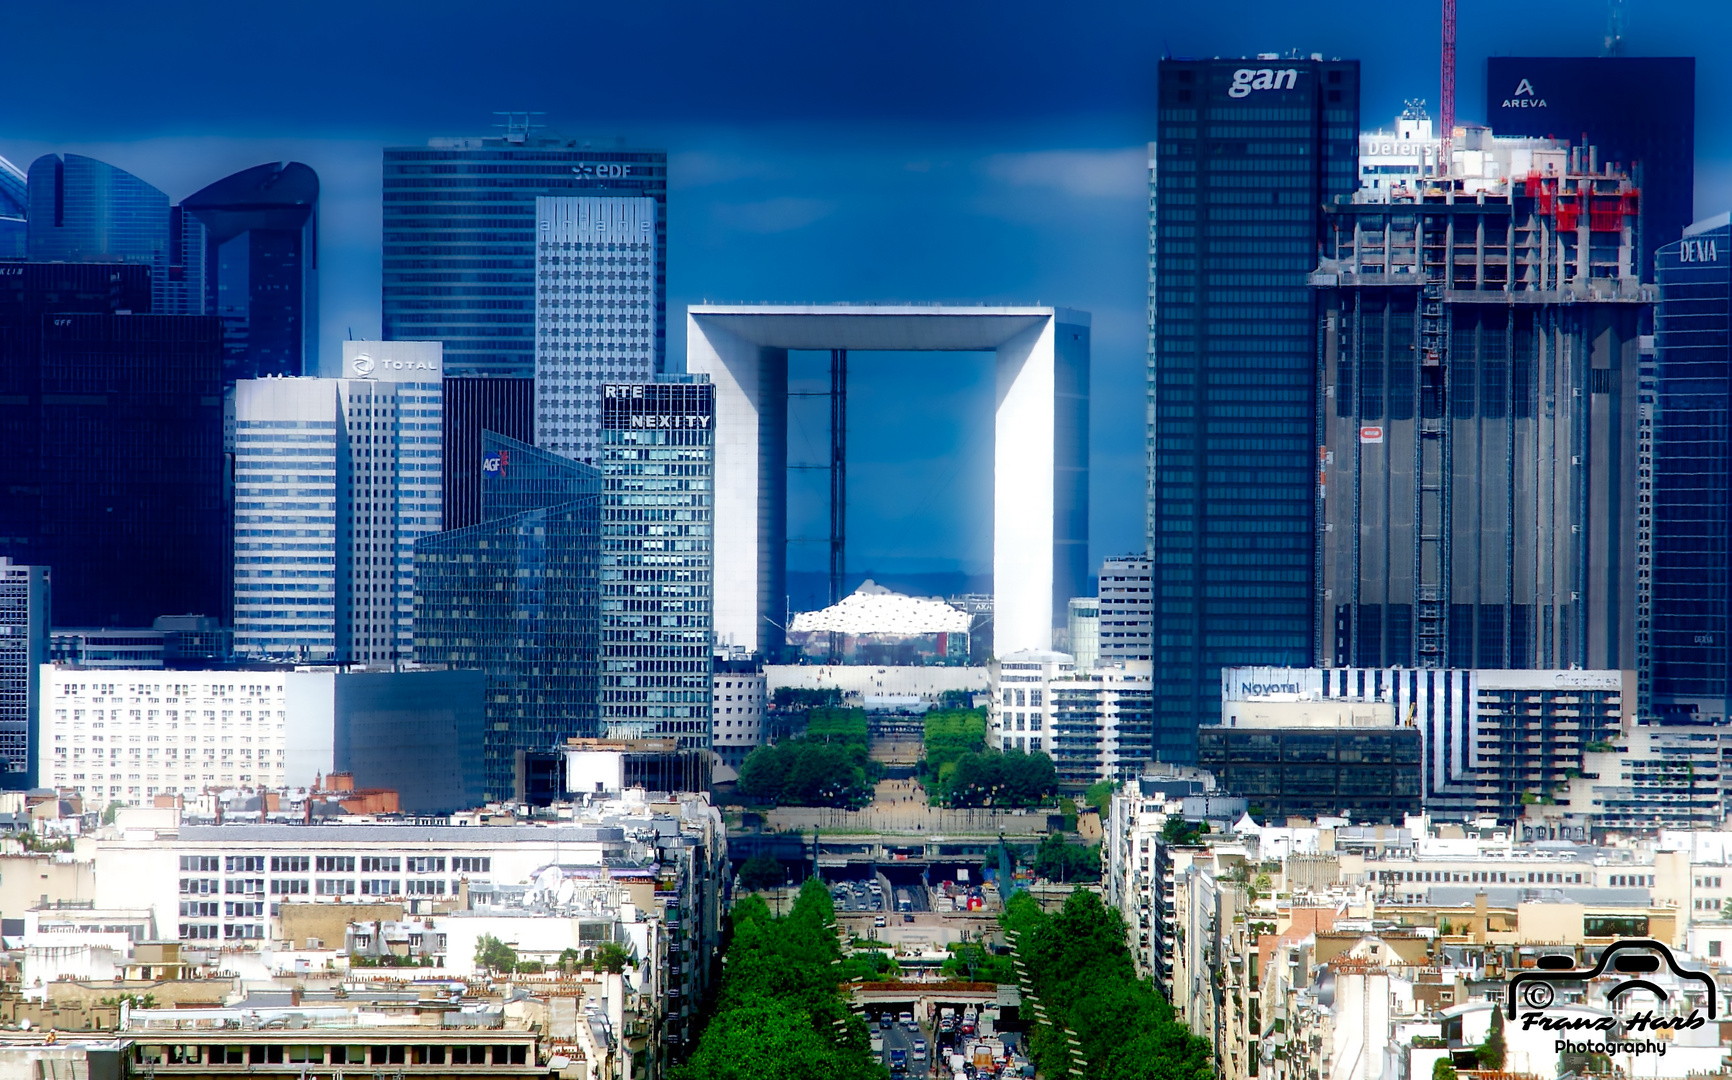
[111, 812]
[1100, 796]
[1442, 1069]
[491, 954]
[1056, 860]
[1491, 1052]
[1080, 967]
[778, 1014]
[1180, 833]
[761, 872]
[612, 957]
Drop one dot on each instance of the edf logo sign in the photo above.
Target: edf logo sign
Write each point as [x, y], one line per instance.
[1246, 80]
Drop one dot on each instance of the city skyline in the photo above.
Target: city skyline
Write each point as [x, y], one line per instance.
[1020, 190]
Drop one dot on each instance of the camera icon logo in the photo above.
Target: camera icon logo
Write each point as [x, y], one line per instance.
[1632, 957]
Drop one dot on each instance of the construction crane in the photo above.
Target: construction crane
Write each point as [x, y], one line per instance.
[1448, 88]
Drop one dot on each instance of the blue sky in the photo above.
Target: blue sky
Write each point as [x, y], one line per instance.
[964, 151]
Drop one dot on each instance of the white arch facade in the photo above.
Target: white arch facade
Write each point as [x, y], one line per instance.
[1040, 453]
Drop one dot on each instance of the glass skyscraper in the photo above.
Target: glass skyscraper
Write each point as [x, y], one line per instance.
[1690, 589]
[84, 210]
[473, 407]
[1247, 154]
[516, 597]
[259, 231]
[335, 480]
[14, 203]
[460, 239]
[595, 317]
[657, 563]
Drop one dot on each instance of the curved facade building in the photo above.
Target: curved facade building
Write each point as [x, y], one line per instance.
[260, 266]
[13, 203]
[84, 210]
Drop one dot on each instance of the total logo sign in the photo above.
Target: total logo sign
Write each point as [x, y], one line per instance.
[1246, 80]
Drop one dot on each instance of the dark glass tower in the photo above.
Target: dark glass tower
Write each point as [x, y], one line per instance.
[516, 596]
[111, 426]
[132, 512]
[261, 267]
[658, 516]
[459, 251]
[1248, 152]
[473, 406]
[1639, 111]
[1691, 586]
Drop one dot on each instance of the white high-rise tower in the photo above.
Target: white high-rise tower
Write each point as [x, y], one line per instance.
[594, 312]
[335, 480]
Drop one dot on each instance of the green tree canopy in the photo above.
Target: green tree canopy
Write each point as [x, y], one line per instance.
[780, 1014]
[804, 772]
[1012, 778]
[491, 954]
[1057, 860]
[1081, 970]
[762, 872]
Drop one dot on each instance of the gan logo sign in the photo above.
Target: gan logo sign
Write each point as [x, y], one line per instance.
[1525, 97]
[1246, 80]
[1628, 961]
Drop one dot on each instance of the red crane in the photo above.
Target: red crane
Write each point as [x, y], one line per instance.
[1447, 95]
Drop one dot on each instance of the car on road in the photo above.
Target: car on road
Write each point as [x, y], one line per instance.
[886, 1022]
[907, 1019]
[877, 920]
[907, 917]
[919, 1048]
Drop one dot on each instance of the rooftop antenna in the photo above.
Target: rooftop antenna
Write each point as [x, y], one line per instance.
[1446, 100]
[518, 125]
[1615, 28]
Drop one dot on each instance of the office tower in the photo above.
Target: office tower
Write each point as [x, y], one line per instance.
[1689, 587]
[181, 291]
[595, 312]
[472, 406]
[28, 292]
[1246, 155]
[1125, 609]
[128, 470]
[657, 562]
[335, 480]
[1639, 111]
[24, 608]
[1478, 418]
[260, 272]
[1492, 742]
[82, 210]
[1085, 631]
[516, 597]
[460, 238]
[14, 203]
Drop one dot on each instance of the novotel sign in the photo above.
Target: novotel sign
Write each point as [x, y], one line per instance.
[1247, 80]
[1258, 689]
